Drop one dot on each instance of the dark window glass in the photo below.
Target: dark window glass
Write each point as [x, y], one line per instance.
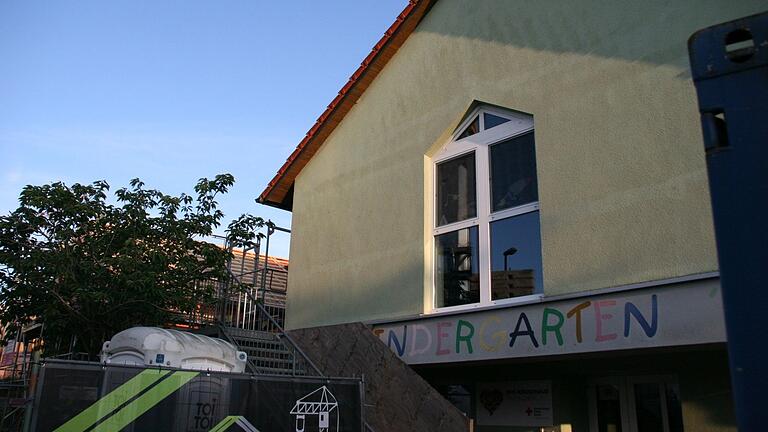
[513, 173]
[516, 256]
[460, 395]
[457, 280]
[608, 408]
[456, 190]
[472, 129]
[674, 408]
[648, 407]
[491, 120]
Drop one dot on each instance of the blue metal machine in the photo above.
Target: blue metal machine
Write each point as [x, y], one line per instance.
[730, 70]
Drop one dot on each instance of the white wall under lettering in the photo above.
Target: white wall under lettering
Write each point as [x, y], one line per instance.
[682, 314]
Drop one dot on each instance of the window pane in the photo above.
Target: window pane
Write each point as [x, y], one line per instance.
[648, 407]
[457, 280]
[516, 256]
[513, 173]
[472, 129]
[459, 395]
[674, 408]
[608, 408]
[456, 190]
[491, 120]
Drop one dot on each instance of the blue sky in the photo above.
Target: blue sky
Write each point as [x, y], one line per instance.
[171, 91]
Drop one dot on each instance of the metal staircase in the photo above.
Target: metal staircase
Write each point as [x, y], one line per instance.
[270, 350]
[250, 314]
[250, 311]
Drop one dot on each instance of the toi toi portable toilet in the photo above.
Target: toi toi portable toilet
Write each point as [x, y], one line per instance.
[202, 402]
[152, 346]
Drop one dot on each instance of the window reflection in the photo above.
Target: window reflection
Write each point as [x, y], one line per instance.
[493, 120]
[457, 281]
[456, 190]
[516, 256]
[608, 408]
[459, 395]
[472, 129]
[513, 173]
[648, 407]
[674, 407]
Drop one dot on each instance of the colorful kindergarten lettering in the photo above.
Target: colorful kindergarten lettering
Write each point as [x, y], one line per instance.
[532, 329]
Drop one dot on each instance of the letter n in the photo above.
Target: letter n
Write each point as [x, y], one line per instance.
[392, 339]
[649, 329]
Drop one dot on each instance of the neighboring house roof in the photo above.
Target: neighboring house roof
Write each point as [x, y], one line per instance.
[279, 191]
[244, 266]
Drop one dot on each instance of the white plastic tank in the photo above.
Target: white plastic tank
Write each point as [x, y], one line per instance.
[150, 346]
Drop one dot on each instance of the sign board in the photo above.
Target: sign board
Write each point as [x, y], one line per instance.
[681, 314]
[518, 403]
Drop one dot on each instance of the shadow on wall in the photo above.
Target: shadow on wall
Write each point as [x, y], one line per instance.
[706, 394]
[713, 410]
[359, 265]
[624, 29]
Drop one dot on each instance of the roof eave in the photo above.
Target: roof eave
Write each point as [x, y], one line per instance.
[279, 191]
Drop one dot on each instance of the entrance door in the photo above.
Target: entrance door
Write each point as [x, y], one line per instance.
[635, 404]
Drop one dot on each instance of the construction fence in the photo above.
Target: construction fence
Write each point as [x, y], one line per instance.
[74, 396]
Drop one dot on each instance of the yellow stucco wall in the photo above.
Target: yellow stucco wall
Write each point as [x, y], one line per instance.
[622, 179]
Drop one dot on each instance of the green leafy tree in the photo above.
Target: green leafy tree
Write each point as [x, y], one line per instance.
[88, 268]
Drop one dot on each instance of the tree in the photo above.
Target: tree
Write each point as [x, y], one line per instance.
[88, 268]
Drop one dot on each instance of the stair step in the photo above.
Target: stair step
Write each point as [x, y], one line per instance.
[277, 369]
[276, 351]
[286, 364]
[267, 347]
[269, 355]
[256, 358]
[237, 333]
[262, 360]
[258, 343]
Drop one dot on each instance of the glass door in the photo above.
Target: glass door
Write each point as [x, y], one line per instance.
[608, 405]
[655, 404]
[635, 404]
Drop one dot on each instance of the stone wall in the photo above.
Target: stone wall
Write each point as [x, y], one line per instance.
[396, 398]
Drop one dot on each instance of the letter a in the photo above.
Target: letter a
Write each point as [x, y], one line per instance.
[527, 332]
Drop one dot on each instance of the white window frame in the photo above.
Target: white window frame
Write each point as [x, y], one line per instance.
[480, 144]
